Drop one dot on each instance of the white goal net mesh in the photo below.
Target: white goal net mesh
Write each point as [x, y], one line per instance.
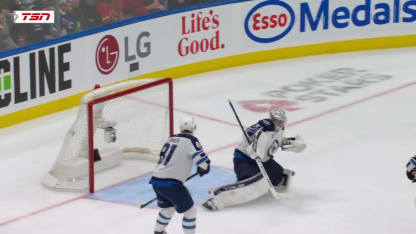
[130, 120]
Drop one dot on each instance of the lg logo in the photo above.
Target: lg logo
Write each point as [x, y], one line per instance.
[131, 50]
[107, 54]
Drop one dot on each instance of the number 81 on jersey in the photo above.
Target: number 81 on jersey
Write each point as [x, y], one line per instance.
[166, 153]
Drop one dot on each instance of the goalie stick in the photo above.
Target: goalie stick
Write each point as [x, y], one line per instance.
[140, 205]
[275, 194]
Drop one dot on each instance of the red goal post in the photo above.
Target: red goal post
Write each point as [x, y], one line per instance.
[139, 116]
[116, 95]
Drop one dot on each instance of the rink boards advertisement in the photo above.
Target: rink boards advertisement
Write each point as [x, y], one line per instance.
[52, 76]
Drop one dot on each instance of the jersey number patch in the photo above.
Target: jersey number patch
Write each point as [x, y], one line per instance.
[166, 153]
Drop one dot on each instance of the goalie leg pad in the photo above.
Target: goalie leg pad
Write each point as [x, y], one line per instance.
[274, 171]
[245, 169]
[284, 185]
[237, 193]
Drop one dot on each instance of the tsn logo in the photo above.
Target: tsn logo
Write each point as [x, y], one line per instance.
[34, 17]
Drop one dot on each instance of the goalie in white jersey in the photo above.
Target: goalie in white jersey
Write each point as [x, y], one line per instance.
[266, 137]
[178, 155]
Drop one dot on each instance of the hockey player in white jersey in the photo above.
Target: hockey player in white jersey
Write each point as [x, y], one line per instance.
[266, 137]
[411, 169]
[178, 155]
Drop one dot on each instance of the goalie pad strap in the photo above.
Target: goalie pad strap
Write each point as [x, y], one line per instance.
[239, 184]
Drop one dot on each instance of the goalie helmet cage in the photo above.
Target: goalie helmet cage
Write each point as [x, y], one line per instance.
[140, 111]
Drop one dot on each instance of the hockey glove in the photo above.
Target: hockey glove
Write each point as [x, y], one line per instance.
[204, 168]
[411, 169]
[295, 144]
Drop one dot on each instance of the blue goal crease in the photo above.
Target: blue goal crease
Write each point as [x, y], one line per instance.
[139, 190]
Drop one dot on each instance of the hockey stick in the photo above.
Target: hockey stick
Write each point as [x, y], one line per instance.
[154, 199]
[258, 160]
[238, 120]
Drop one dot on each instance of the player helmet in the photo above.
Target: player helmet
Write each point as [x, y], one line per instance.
[411, 169]
[278, 115]
[187, 124]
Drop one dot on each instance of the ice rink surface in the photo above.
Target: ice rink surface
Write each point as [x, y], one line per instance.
[356, 111]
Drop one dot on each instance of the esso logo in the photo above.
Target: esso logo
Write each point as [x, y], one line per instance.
[106, 55]
[269, 21]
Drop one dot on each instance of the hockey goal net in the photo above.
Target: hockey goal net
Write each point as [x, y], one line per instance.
[128, 120]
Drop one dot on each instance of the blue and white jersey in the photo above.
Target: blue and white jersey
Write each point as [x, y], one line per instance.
[178, 155]
[268, 128]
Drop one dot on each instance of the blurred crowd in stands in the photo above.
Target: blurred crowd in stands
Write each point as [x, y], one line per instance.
[73, 16]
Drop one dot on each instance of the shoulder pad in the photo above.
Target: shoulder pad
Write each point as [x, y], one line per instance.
[194, 140]
[267, 125]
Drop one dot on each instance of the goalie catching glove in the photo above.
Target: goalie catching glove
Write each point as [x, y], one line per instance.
[265, 145]
[295, 144]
